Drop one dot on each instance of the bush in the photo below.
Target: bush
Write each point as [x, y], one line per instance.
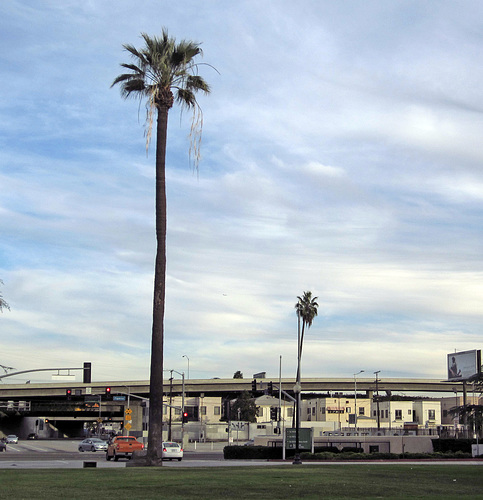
[252, 452]
[453, 445]
[352, 449]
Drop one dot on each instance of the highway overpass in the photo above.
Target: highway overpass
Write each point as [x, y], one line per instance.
[225, 387]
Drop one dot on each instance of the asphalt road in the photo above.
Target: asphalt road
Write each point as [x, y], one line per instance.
[65, 454]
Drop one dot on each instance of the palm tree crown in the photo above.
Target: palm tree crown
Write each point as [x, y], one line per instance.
[306, 309]
[161, 68]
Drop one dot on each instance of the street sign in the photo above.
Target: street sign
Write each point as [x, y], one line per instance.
[127, 426]
[305, 439]
[99, 420]
[128, 411]
[119, 398]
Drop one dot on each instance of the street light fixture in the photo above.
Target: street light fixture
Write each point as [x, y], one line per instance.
[355, 397]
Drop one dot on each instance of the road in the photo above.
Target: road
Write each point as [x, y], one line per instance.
[64, 454]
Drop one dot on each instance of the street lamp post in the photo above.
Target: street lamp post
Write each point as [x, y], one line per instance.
[377, 399]
[297, 390]
[355, 397]
[184, 356]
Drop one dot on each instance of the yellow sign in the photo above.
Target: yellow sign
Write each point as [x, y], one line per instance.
[128, 411]
[127, 426]
[99, 420]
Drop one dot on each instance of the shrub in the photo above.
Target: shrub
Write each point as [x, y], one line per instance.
[252, 452]
[352, 449]
[453, 445]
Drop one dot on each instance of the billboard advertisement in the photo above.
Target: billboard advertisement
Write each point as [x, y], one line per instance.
[463, 365]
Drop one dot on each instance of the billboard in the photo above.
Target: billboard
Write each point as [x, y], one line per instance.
[463, 365]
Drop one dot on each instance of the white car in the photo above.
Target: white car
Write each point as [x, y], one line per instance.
[93, 444]
[172, 451]
[12, 438]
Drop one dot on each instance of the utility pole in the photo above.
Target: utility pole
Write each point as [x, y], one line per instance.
[377, 399]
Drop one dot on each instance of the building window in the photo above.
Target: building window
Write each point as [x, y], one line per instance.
[348, 410]
[398, 414]
[165, 410]
[387, 413]
[308, 411]
[431, 414]
[313, 410]
[322, 410]
[260, 411]
[203, 410]
[409, 411]
[374, 413]
[445, 413]
[290, 412]
[361, 410]
[217, 410]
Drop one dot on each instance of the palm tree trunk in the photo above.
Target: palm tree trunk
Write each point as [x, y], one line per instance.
[155, 436]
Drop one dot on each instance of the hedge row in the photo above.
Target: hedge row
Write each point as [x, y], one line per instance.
[323, 453]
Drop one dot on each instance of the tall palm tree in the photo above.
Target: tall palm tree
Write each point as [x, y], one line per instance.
[163, 71]
[3, 304]
[306, 309]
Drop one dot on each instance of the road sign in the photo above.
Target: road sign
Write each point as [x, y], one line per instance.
[99, 420]
[119, 398]
[128, 411]
[127, 426]
[305, 439]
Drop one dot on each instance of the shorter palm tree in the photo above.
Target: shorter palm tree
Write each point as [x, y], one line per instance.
[306, 309]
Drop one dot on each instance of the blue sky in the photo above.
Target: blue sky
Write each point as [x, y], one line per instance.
[341, 154]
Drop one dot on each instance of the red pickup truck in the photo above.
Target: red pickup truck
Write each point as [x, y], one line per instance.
[123, 446]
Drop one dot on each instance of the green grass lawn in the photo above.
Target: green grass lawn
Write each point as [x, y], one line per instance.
[307, 481]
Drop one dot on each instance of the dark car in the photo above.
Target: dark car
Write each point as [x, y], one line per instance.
[32, 435]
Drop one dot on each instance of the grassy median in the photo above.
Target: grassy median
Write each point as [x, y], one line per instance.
[277, 482]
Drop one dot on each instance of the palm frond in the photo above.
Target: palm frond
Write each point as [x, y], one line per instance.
[159, 69]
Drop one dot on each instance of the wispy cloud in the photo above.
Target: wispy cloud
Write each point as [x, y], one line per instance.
[340, 155]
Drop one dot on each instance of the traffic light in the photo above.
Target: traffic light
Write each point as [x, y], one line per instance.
[185, 417]
[108, 392]
[254, 385]
[270, 388]
[87, 373]
[273, 413]
[68, 393]
[46, 420]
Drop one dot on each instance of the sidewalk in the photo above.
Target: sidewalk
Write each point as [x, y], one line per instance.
[215, 447]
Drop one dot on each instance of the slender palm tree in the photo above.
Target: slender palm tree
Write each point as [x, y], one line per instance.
[163, 71]
[3, 304]
[306, 309]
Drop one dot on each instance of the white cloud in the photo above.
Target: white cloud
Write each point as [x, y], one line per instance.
[340, 154]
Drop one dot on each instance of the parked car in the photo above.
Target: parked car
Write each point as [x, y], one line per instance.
[93, 444]
[32, 435]
[3, 445]
[172, 450]
[12, 438]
